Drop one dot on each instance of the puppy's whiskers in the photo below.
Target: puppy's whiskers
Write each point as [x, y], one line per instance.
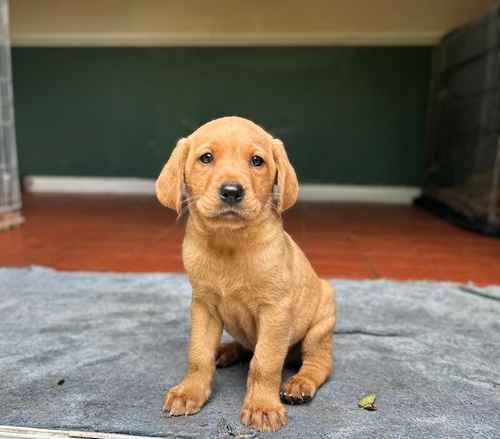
[187, 202]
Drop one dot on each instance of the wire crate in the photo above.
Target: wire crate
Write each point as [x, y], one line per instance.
[462, 172]
[10, 194]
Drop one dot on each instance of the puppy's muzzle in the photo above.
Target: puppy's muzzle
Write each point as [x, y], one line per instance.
[231, 193]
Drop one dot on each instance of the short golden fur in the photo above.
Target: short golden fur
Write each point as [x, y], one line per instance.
[247, 274]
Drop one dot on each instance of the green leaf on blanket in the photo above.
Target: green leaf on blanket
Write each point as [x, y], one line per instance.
[368, 402]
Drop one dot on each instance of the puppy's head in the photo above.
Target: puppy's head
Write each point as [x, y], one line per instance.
[226, 172]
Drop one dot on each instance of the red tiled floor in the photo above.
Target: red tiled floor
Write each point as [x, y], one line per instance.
[342, 240]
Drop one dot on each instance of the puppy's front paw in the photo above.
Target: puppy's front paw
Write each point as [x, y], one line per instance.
[263, 415]
[186, 398]
[298, 390]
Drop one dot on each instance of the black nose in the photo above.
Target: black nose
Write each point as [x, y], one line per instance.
[231, 192]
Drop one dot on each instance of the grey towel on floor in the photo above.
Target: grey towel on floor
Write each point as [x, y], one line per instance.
[90, 351]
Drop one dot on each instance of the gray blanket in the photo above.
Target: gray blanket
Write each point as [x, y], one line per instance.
[90, 351]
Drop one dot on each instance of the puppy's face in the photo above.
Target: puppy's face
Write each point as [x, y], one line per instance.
[226, 171]
[230, 178]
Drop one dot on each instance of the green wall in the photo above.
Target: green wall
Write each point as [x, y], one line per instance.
[346, 114]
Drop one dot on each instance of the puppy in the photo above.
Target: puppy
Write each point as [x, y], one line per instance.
[247, 274]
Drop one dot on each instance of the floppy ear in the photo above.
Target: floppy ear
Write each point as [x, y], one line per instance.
[170, 184]
[286, 179]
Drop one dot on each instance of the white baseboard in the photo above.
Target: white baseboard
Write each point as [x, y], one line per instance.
[144, 186]
[88, 185]
[362, 194]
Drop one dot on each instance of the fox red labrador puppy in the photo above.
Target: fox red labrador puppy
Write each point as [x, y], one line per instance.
[247, 274]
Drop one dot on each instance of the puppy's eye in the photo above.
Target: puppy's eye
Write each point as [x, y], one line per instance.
[256, 160]
[206, 158]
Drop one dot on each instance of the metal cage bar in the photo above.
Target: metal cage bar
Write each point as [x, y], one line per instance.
[10, 194]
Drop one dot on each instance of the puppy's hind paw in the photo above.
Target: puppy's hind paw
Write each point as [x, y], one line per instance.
[231, 353]
[290, 399]
[298, 390]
